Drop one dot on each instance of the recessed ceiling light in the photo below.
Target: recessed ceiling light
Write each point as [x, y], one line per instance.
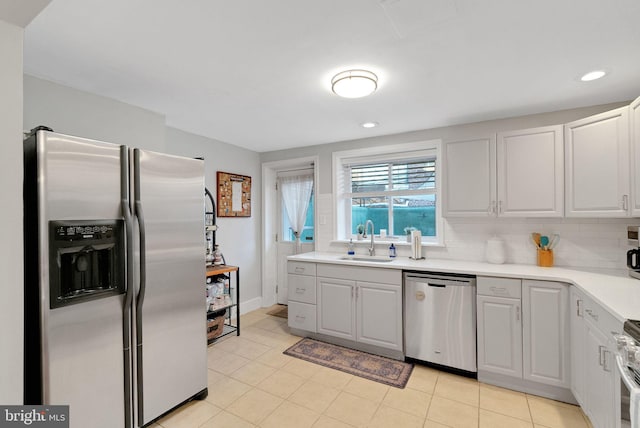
[354, 83]
[593, 75]
[369, 124]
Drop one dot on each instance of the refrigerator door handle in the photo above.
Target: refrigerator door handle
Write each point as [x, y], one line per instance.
[126, 309]
[139, 215]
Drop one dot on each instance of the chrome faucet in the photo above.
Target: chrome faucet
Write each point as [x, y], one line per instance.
[372, 249]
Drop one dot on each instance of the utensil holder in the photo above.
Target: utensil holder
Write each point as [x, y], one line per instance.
[545, 258]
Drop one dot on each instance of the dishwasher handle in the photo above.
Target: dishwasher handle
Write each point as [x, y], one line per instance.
[439, 285]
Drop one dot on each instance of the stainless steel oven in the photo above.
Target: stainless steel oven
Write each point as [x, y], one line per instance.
[628, 367]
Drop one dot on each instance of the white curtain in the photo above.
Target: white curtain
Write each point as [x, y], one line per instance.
[296, 195]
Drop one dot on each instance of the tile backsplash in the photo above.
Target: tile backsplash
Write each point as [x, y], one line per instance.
[584, 243]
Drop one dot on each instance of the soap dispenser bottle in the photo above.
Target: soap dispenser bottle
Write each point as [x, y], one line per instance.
[350, 250]
[392, 250]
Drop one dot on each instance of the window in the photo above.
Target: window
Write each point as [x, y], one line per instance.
[396, 187]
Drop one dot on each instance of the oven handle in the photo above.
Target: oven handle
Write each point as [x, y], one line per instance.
[624, 374]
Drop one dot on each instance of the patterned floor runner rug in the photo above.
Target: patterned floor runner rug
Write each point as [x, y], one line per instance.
[373, 367]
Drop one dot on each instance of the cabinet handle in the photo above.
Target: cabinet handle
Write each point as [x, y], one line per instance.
[300, 290]
[499, 207]
[299, 269]
[357, 292]
[498, 290]
[591, 314]
[491, 207]
[607, 358]
[301, 317]
[601, 357]
[625, 202]
[517, 313]
[579, 308]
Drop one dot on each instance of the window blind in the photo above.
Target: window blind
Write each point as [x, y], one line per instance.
[381, 177]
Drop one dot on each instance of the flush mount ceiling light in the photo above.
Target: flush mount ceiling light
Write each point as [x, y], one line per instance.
[354, 83]
[369, 124]
[593, 75]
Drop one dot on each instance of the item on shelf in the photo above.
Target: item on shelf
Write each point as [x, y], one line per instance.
[209, 251]
[215, 324]
[217, 256]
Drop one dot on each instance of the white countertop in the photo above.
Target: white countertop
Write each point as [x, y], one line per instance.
[613, 289]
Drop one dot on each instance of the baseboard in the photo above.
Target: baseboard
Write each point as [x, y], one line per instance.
[535, 388]
[250, 305]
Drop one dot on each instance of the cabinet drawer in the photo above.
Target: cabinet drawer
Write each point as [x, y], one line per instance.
[302, 316]
[599, 317]
[500, 287]
[302, 288]
[301, 268]
[357, 273]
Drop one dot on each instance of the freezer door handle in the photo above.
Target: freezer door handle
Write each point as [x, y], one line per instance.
[126, 309]
[143, 282]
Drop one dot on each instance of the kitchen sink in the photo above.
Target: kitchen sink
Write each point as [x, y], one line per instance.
[367, 259]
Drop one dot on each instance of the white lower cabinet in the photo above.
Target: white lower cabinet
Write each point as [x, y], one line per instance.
[367, 310]
[594, 383]
[336, 308]
[379, 314]
[499, 335]
[545, 332]
[301, 295]
[499, 326]
[522, 335]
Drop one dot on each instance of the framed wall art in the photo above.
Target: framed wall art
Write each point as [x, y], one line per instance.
[234, 195]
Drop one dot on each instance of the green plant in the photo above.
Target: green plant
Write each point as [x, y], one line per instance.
[409, 229]
[360, 228]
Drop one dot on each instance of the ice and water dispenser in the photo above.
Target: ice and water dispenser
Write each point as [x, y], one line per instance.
[86, 260]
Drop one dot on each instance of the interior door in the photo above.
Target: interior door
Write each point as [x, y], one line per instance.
[286, 243]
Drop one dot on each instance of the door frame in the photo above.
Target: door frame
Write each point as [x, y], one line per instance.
[270, 220]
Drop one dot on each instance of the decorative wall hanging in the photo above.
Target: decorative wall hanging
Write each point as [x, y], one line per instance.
[234, 195]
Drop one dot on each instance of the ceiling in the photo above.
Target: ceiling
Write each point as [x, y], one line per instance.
[257, 73]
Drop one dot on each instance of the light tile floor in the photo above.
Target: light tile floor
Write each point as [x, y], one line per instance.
[252, 384]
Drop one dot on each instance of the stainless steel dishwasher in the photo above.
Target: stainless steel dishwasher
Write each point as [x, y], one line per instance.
[440, 319]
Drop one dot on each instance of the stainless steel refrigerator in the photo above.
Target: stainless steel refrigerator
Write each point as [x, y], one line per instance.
[115, 323]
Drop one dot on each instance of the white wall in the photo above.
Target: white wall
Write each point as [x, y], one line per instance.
[75, 112]
[238, 237]
[589, 243]
[11, 264]
[70, 111]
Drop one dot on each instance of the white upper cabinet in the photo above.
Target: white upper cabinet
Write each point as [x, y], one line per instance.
[597, 165]
[530, 172]
[470, 181]
[634, 119]
[520, 175]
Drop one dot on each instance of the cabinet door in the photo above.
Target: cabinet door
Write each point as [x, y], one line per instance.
[336, 307]
[599, 379]
[530, 172]
[545, 325]
[379, 314]
[578, 372]
[634, 118]
[470, 184]
[597, 165]
[499, 335]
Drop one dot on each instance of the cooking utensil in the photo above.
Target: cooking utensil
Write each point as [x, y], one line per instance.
[544, 242]
[554, 241]
[535, 237]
